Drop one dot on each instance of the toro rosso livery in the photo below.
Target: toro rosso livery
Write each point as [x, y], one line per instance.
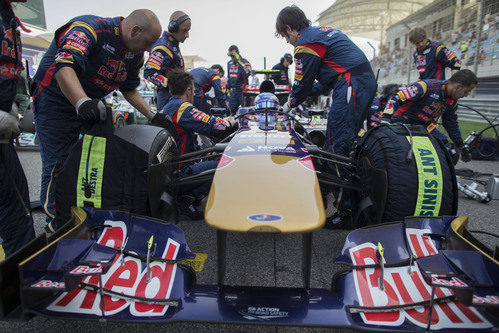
[433, 59]
[416, 274]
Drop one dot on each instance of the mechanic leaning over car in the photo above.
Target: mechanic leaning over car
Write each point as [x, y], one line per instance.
[238, 69]
[204, 80]
[188, 121]
[89, 57]
[16, 223]
[431, 57]
[425, 101]
[282, 77]
[165, 55]
[329, 56]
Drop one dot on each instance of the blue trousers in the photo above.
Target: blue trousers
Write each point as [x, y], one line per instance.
[352, 97]
[58, 130]
[236, 99]
[197, 190]
[16, 229]
[201, 103]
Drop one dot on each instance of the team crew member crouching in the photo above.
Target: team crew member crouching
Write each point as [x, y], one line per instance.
[165, 55]
[379, 104]
[329, 56]
[282, 67]
[431, 57]
[89, 58]
[188, 121]
[204, 80]
[424, 101]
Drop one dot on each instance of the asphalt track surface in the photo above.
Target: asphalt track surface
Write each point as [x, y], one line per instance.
[252, 259]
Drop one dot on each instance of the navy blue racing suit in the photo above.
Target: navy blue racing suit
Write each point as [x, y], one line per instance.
[422, 103]
[16, 228]
[188, 121]
[165, 55]
[94, 48]
[282, 78]
[330, 57]
[239, 72]
[204, 80]
[431, 62]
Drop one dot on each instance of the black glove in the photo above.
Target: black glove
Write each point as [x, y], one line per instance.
[92, 110]
[465, 154]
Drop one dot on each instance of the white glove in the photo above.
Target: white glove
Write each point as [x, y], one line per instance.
[231, 121]
[285, 107]
[10, 127]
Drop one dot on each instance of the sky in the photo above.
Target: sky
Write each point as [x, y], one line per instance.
[216, 24]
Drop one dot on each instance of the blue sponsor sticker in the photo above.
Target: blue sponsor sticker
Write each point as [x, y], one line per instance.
[265, 218]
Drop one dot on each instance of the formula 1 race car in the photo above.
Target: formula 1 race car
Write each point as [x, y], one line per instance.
[107, 262]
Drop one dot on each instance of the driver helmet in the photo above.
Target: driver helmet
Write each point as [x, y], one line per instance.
[266, 101]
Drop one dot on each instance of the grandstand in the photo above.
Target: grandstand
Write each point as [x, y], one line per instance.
[470, 28]
[368, 19]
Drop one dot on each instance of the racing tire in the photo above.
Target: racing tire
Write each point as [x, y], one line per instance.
[387, 147]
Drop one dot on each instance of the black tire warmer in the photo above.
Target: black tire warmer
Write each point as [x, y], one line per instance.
[421, 179]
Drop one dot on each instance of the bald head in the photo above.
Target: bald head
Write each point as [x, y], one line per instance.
[140, 30]
[145, 19]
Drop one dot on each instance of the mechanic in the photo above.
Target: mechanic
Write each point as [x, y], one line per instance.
[165, 55]
[188, 121]
[238, 69]
[89, 57]
[283, 67]
[425, 101]
[16, 223]
[328, 55]
[379, 104]
[206, 79]
[432, 57]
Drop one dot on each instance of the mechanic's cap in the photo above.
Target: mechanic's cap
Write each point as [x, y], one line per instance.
[266, 100]
[288, 57]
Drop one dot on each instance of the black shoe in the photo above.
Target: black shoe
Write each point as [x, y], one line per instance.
[340, 220]
[187, 207]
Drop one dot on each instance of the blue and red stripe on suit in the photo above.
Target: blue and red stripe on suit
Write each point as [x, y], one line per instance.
[422, 103]
[330, 57]
[433, 59]
[204, 80]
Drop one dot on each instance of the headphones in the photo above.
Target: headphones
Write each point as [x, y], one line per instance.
[175, 24]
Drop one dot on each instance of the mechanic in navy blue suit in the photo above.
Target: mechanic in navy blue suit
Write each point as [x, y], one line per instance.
[16, 223]
[330, 57]
[425, 101]
[379, 104]
[431, 57]
[238, 69]
[188, 121]
[204, 80]
[165, 55]
[89, 58]
[283, 67]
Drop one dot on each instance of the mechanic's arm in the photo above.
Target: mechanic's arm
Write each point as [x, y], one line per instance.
[404, 96]
[310, 57]
[157, 65]
[448, 58]
[246, 68]
[449, 121]
[137, 101]
[194, 120]
[70, 84]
